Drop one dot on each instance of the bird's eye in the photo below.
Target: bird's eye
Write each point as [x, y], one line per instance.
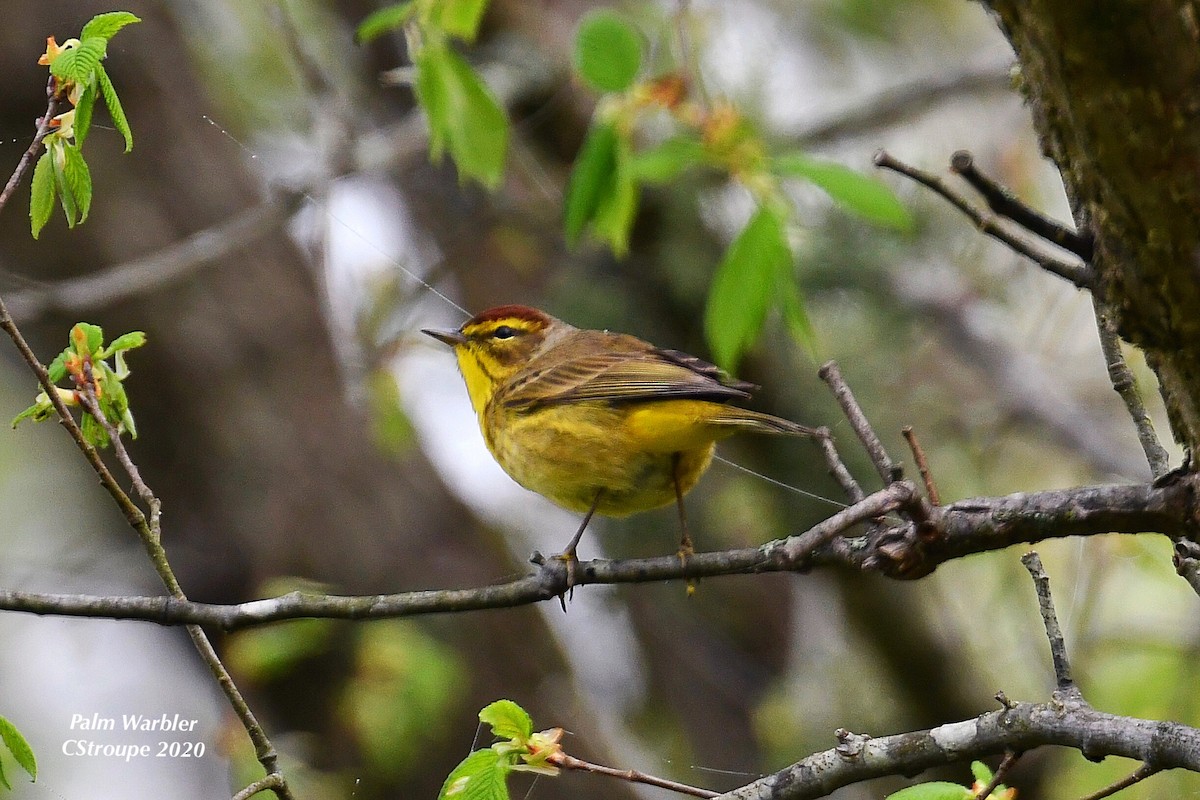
[504, 332]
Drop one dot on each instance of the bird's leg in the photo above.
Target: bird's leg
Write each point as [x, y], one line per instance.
[685, 540]
[569, 556]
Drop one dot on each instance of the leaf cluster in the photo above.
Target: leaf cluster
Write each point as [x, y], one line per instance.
[756, 272]
[465, 119]
[615, 163]
[79, 77]
[483, 774]
[85, 361]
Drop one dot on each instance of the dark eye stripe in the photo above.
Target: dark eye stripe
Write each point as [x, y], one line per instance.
[504, 332]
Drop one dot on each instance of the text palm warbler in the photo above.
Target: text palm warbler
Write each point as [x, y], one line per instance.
[593, 420]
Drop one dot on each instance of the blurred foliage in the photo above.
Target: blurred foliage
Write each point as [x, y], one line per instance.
[786, 659]
[404, 682]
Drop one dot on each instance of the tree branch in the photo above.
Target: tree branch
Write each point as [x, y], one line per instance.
[1080, 274]
[1126, 387]
[905, 550]
[1165, 745]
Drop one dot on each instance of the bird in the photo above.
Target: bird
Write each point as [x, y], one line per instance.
[597, 421]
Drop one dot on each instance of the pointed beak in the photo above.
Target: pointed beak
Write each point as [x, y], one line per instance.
[452, 338]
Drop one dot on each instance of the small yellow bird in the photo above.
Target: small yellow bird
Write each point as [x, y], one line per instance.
[597, 421]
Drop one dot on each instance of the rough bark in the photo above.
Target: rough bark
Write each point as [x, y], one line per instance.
[1114, 88]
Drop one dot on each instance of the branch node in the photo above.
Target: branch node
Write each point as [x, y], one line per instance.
[850, 745]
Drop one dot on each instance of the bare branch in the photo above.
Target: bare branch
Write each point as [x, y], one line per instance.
[155, 270]
[1081, 275]
[43, 129]
[1058, 647]
[632, 775]
[922, 465]
[270, 783]
[1024, 726]
[1125, 385]
[1003, 202]
[832, 375]
[837, 467]
[906, 550]
[901, 103]
[147, 533]
[1137, 776]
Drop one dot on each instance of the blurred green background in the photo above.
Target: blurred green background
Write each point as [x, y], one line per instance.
[300, 432]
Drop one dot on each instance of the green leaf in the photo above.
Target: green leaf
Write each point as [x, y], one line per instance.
[744, 287]
[981, 772]
[591, 178]
[78, 64]
[480, 776]
[78, 178]
[83, 113]
[853, 191]
[58, 159]
[934, 790]
[58, 367]
[114, 107]
[126, 341]
[384, 20]
[508, 720]
[461, 18]
[20, 749]
[794, 314]
[617, 207]
[34, 412]
[87, 338]
[3, 778]
[608, 51]
[667, 160]
[105, 26]
[41, 195]
[464, 118]
[93, 432]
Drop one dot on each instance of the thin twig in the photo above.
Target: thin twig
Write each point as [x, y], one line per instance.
[1081, 275]
[273, 781]
[151, 540]
[832, 375]
[265, 751]
[837, 468]
[43, 129]
[1058, 648]
[1010, 758]
[922, 464]
[91, 404]
[159, 269]
[1003, 202]
[900, 103]
[632, 775]
[1137, 776]
[1126, 386]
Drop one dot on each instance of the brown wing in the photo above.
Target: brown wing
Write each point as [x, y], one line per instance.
[622, 368]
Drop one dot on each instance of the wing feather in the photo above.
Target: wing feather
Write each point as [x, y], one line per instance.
[620, 368]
